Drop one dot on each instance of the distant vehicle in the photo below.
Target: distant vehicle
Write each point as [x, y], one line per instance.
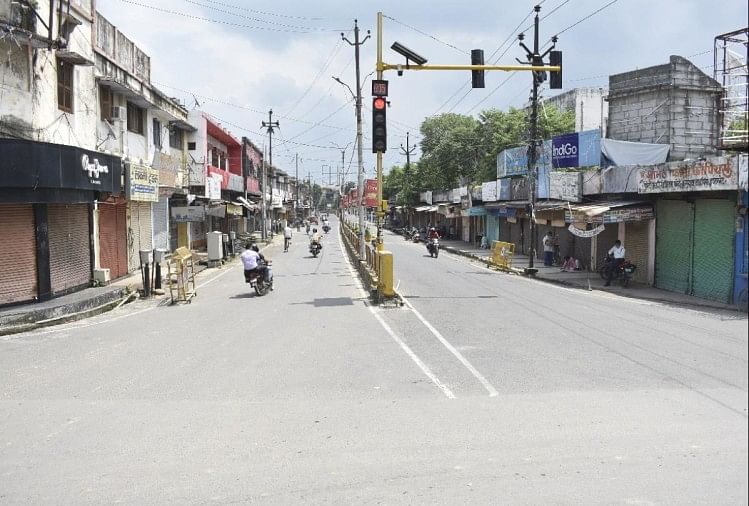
[313, 219]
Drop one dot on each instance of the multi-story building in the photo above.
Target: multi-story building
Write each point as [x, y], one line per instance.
[70, 110]
[589, 105]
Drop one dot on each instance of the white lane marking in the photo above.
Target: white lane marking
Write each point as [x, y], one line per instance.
[489, 388]
[424, 368]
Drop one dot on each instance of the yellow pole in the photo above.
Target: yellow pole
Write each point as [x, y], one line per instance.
[506, 68]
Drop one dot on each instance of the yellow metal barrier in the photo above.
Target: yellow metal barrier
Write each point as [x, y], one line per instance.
[502, 253]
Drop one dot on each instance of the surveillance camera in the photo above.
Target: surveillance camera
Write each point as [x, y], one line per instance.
[399, 68]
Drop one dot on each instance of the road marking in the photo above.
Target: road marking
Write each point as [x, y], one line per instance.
[424, 368]
[488, 386]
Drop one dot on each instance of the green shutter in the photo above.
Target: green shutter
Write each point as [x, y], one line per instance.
[674, 221]
[713, 249]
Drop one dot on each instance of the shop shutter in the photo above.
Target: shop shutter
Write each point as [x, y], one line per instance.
[673, 251]
[161, 223]
[139, 232]
[18, 282]
[516, 237]
[636, 243]
[605, 240]
[504, 230]
[113, 238]
[712, 265]
[69, 247]
[492, 229]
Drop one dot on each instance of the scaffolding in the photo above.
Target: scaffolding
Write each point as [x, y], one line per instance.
[730, 53]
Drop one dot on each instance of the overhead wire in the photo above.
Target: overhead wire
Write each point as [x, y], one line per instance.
[250, 18]
[427, 34]
[265, 13]
[325, 66]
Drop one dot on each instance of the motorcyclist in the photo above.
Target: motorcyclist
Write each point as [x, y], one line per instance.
[433, 234]
[315, 237]
[617, 254]
[254, 261]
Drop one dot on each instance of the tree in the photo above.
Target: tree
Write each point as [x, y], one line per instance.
[449, 150]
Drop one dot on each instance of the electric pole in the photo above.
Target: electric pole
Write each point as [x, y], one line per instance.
[270, 124]
[536, 59]
[356, 44]
[408, 151]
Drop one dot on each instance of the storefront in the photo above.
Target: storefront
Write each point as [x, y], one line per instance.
[112, 215]
[47, 195]
[142, 190]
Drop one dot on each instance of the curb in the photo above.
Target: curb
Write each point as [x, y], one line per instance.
[697, 303]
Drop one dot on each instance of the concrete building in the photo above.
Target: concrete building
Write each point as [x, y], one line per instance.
[589, 105]
[675, 103]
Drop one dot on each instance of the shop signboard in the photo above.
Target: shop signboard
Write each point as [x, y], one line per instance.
[715, 173]
[616, 215]
[141, 183]
[217, 211]
[234, 210]
[253, 185]
[489, 191]
[236, 183]
[428, 197]
[566, 186]
[586, 233]
[188, 213]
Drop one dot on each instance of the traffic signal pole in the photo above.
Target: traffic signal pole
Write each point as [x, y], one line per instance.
[379, 211]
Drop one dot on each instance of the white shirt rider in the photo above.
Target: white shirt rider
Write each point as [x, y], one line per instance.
[287, 232]
[250, 259]
[617, 251]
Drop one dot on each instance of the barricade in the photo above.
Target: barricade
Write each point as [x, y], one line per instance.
[502, 253]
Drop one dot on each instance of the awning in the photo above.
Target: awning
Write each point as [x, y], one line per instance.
[425, 209]
[610, 212]
[598, 208]
[520, 204]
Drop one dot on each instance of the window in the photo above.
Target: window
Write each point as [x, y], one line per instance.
[175, 138]
[192, 146]
[64, 86]
[157, 133]
[105, 103]
[135, 118]
[214, 157]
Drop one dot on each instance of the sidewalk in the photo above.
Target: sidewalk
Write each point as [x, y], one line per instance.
[583, 279]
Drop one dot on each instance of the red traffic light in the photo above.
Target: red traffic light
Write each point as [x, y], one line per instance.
[379, 104]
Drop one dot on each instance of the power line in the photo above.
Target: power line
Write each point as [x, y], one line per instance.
[612, 2]
[243, 16]
[427, 34]
[322, 120]
[266, 13]
[226, 23]
[328, 61]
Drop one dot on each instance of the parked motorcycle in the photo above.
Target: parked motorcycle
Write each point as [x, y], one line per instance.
[623, 274]
[314, 248]
[433, 247]
[256, 279]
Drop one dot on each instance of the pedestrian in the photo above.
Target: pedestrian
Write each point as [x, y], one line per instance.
[616, 253]
[287, 233]
[549, 249]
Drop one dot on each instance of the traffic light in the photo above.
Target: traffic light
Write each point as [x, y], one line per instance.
[477, 76]
[555, 79]
[379, 125]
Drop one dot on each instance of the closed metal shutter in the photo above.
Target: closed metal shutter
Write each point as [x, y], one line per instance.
[492, 229]
[580, 248]
[504, 230]
[161, 223]
[605, 240]
[139, 232]
[636, 244]
[69, 247]
[712, 265]
[18, 282]
[673, 251]
[516, 237]
[113, 238]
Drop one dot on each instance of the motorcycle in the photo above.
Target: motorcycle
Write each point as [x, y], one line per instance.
[325, 228]
[433, 247]
[623, 273]
[315, 248]
[256, 279]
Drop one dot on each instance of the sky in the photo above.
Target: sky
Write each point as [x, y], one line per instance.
[238, 59]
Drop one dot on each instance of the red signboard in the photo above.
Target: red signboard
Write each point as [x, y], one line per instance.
[370, 193]
[253, 185]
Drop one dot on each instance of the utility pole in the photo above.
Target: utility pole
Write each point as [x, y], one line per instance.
[356, 44]
[270, 124]
[408, 151]
[296, 199]
[535, 59]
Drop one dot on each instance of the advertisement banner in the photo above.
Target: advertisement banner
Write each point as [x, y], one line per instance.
[141, 183]
[213, 187]
[489, 191]
[188, 213]
[586, 233]
[370, 193]
[566, 186]
[223, 175]
[579, 149]
[715, 173]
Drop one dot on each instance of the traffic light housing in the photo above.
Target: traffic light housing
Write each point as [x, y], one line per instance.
[379, 125]
[477, 76]
[555, 78]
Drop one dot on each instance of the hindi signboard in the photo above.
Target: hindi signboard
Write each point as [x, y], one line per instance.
[141, 183]
[566, 186]
[715, 173]
[188, 213]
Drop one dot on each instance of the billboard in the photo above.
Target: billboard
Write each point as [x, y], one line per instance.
[579, 149]
[370, 193]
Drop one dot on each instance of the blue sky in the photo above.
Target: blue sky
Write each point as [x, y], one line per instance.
[241, 58]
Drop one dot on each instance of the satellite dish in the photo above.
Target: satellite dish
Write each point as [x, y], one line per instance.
[110, 130]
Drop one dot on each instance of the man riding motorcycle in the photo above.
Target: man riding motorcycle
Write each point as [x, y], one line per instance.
[254, 261]
[433, 234]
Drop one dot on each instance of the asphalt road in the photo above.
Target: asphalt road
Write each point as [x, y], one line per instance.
[485, 389]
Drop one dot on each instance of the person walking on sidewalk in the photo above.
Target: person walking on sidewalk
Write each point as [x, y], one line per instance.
[617, 253]
[287, 233]
[549, 249]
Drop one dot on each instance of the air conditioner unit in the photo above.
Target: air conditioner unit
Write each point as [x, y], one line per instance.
[119, 113]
